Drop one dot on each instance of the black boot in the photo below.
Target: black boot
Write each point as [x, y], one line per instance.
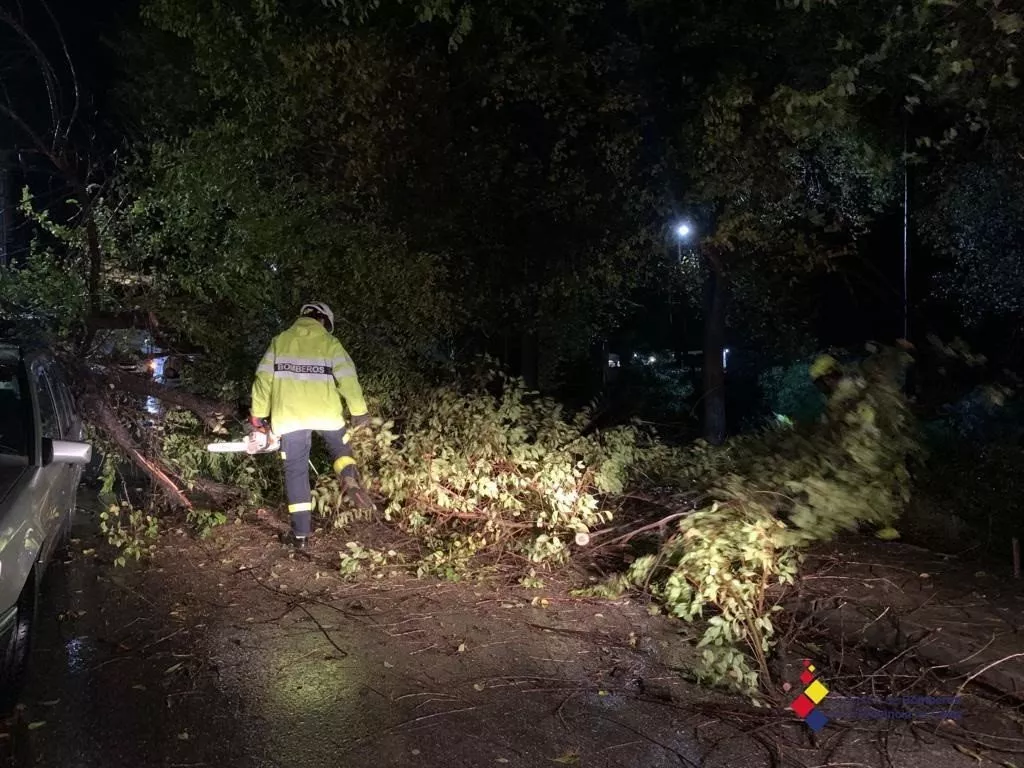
[298, 543]
[301, 528]
[356, 494]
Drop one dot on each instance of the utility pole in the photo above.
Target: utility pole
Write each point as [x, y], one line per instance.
[713, 368]
[906, 239]
[714, 355]
[6, 207]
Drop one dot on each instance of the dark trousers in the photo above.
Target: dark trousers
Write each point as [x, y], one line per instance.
[295, 453]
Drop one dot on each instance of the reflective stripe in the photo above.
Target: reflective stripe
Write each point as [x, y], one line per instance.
[293, 360]
[318, 368]
[303, 376]
[305, 506]
[284, 456]
[265, 368]
[302, 368]
[343, 461]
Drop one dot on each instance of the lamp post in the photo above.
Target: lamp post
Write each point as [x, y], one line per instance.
[715, 353]
[684, 230]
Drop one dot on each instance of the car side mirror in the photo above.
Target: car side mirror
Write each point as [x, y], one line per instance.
[65, 452]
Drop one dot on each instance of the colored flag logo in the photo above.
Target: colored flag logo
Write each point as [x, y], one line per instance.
[805, 704]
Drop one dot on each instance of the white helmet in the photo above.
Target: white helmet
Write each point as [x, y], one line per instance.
[318, 309]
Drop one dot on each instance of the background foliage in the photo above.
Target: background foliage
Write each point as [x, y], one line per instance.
[766, 496]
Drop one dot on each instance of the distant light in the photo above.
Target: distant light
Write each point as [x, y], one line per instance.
[652, 360]
[725, 358]
[683, 230]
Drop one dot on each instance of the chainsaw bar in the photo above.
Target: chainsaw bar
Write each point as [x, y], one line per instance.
[240, 447]
[257, 442]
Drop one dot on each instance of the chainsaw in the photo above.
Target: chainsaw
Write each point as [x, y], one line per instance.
[255, 443]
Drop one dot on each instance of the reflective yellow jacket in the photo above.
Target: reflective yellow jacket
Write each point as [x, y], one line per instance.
[302, 379]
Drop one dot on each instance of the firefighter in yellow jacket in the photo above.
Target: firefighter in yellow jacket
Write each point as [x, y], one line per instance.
[300, 384]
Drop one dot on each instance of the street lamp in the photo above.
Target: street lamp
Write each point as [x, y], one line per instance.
[684, 232]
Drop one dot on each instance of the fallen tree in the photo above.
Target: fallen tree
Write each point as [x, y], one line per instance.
[213, 414]
[766, 497]
[101, 391]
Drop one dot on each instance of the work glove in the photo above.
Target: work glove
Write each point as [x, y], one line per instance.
[360, 421]
[258, 425]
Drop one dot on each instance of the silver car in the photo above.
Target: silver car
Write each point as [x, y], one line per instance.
[42, 455]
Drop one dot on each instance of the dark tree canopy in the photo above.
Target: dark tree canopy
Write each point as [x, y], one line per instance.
[504, 179]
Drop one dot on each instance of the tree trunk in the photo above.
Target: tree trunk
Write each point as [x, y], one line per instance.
[102, 413]
[714, 347]
[92, 240]
[7, 207]
[103, 416]
[529, 355]
[92, 245]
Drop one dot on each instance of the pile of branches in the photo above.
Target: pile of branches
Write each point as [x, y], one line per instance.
[767, 496]
[494, 468]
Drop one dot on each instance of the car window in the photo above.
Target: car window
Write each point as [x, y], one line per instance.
[64, 391]
[47, 408]
[14, 409]
[61, 398]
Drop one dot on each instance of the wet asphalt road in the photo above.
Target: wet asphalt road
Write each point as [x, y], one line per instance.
[192, 662]
[227, 653]
[99, 692]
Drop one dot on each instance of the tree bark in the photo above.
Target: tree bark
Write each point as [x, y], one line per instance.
[103, 416]
[714, 347]
[210, 412]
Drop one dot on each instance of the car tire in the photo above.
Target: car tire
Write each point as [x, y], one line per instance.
[15, 653]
